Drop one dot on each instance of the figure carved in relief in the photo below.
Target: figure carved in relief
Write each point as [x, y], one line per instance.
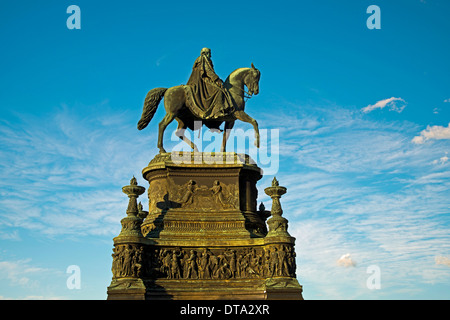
[273, 262]
[165, 262]
[204, 265]
[233, 262]
[218, 194]
[175, 272]
[188, 196]
[127, 261]
[191, 272]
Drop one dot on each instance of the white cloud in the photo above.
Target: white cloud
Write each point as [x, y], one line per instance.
[341, 140]
[432, 132]
[447, 100]
[443, 260]
[393, 104]
[386, 228]
[346, 261]
[441, 160]
[359, 186]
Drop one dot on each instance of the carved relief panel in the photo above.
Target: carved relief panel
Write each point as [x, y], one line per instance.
[203, 263]
[166, 194]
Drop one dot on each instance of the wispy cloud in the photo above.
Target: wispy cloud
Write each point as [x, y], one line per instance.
[394, 104]
[336, 139]
[20, 272]
[34, 281]
[64, 175]
[354, 185]
[359, 186]
[433, 133]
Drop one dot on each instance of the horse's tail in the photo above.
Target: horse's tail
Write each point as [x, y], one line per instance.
[151, 103]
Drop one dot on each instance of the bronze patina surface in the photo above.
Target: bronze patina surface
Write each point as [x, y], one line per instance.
[203, 237]
[205, 98]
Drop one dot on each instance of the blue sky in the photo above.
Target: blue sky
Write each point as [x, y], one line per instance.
[363, 118]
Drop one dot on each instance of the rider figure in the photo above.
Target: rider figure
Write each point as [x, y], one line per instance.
[203, 68]
[208, 91]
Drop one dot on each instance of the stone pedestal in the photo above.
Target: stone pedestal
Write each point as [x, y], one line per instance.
[203, 237]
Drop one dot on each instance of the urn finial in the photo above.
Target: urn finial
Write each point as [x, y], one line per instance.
[277, 224]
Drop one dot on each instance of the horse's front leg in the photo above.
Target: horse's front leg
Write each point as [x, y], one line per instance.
[226, 133]
[241, 115]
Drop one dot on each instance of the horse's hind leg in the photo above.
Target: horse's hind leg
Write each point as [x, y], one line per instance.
[168, 118]
[180, 134]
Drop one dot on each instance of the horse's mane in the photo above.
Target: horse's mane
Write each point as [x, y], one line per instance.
[238, 70]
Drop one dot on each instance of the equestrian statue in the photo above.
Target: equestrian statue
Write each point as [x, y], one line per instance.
[204, 98]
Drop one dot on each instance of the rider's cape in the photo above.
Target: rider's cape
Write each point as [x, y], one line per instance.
[205, 99]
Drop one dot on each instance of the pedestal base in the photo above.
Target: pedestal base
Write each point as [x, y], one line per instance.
[273, 289]
[203, 238]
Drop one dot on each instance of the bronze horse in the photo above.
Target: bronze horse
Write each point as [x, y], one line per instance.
[177, 108]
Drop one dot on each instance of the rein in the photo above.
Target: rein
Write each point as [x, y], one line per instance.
[247, 95]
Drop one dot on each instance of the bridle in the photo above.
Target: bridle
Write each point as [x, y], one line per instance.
[247, 95]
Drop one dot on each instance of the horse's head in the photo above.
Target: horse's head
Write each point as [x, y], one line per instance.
[251, 80]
